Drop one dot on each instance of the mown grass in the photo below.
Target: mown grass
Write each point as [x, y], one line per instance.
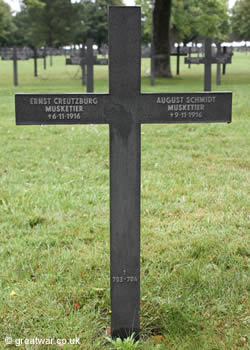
[54, 220]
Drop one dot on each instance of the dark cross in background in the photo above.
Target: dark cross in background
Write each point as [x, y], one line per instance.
[82, 65]
[78, 60]
[224, 65]
[222, 58]
[227, 52]
[15, 54]
[90, 61]
[15, 73]
[189, 55]
[45, 58]
[150, 53]
[178, 54]
[51, 56]
[218, 70]
[152, 65]
[35, 61]
[193, 50]
[208, 60]
[124, 108]
[154, 57]
[87, 58]
[35, 54]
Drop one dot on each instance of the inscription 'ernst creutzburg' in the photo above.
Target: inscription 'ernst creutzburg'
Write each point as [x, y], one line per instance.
[64, 100]
[63, 107]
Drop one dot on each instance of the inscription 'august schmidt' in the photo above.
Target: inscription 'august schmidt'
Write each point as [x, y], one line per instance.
[66, 108]
[186, 106]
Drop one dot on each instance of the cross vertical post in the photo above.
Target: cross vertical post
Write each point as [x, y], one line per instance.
[189, 55]
[152, 59]
[207, 68]
[15, 66]
[90, 59]
[178, 60]
[152, 65]
[124, 80]
[35, 61]
[218, 70]
[51, 56]
[208, 60]
[45, 58]
[224, 64]
[83, 65]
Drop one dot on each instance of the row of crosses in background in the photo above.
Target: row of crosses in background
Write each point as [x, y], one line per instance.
[147, 53]
[87, 58]
[23, 54]
[208, 59]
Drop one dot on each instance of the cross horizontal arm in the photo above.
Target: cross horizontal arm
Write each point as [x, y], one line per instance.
[178, 54]
[77, 60]
[215, 59]
[37, 109]
[185, 107]
[194, 60]
[74, 60]
[101, 62]
[226, 59]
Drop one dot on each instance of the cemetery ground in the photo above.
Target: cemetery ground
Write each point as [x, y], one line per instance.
[54, 219]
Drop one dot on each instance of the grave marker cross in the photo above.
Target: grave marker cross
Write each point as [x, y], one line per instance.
[218, 70]
[208, 60]
[178, 53]
[124, 109]
[91, 60]
[87, 58]
[79, 61]
[154, 57]
[207, 65]
[15, 74]
[15, 55]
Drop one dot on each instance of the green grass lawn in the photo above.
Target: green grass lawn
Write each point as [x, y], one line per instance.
[54, 219]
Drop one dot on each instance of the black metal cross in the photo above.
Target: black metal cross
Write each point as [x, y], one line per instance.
[222, 58]
[87, 58]
[15, 55]
[35, 54]
[229, 52]
[78, 60]
[178, 53]
[15, 74]
[218, 68]
[154, 57]
[208, 60]
[124, 108]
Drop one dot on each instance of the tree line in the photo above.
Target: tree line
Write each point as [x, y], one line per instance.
[54, 23]
[60, 22]
[47, 23]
